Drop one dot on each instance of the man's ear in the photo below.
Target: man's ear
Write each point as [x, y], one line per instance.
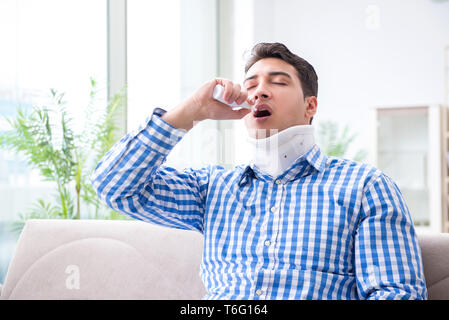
[311, 106]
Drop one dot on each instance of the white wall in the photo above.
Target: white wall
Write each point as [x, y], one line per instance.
[366, 53]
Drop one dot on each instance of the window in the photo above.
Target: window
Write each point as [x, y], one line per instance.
[172, 50]
[45, 44]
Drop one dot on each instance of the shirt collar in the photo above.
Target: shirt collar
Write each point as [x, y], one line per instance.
[316, 158]
[245, 175]
[312, 160]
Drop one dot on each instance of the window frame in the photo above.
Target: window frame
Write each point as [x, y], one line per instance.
[117, 57]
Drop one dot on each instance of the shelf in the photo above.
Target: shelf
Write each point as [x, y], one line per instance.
[414, 159]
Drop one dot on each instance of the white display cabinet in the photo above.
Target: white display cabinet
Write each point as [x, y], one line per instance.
[409, 146]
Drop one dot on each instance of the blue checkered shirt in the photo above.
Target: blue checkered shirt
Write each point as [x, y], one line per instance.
[327, 228]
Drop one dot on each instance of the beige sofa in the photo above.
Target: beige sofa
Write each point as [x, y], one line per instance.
[100, 259]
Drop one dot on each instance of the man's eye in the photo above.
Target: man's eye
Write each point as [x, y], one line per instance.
[249, 88]
[280, 83]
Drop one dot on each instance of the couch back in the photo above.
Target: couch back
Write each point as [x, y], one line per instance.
[104, 259]
[435, 256]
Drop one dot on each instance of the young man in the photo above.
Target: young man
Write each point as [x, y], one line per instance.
[299, 226]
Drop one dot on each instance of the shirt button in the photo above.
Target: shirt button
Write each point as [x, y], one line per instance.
[267, 242]
[273, 209]
[278, 181]
[152, 132]
[259, 292]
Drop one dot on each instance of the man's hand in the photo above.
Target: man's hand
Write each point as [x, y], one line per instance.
[201, 105]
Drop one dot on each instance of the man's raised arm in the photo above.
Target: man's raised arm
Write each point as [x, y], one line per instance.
[130, 177]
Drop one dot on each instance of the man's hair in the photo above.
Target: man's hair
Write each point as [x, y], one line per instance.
[305, 72]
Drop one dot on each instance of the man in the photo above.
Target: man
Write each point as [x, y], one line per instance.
[299, 226]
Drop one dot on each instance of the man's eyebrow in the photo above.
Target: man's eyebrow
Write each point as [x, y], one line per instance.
[279, 73]
[249, 78]
[271, 74]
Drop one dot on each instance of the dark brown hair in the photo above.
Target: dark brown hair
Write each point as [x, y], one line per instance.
[305, 72]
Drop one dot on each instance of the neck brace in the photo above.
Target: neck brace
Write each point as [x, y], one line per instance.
[275, 154]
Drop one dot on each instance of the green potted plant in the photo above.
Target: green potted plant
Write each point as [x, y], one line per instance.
[48, 141]
[335, 143]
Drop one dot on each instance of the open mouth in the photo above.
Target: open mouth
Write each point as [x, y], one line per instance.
[262, 111]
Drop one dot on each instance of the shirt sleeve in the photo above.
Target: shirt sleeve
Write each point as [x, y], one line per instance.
[387, 254]
[132, 180]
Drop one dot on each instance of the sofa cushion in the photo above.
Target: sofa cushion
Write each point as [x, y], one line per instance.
[94, 259]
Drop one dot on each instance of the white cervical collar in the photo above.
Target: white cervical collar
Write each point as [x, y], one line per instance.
[275, 154]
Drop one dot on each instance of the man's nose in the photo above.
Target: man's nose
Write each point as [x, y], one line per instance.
[261, 93]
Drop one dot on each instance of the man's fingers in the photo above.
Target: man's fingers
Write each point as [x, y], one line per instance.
[235, 92]
[228, 88]
[232, 91]
[250, 100]
[242, 97]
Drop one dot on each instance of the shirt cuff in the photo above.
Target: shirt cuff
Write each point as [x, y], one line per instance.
[158, 134]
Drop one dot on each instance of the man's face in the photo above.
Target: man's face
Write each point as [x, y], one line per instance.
[273, 85]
